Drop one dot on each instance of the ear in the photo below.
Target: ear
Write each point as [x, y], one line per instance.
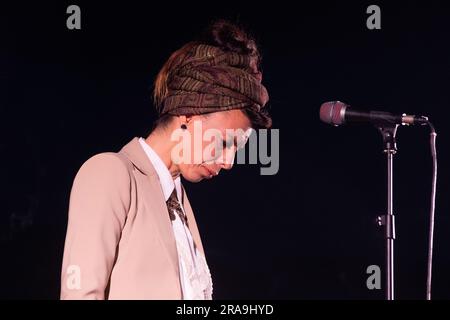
[183, 119]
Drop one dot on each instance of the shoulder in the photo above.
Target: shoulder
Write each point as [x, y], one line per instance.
[106, 166]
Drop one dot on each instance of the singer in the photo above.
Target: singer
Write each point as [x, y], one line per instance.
[131, 231]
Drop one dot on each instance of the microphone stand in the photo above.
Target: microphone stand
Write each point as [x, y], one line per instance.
[388, 131]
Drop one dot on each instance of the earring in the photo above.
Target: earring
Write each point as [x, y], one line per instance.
[183, 126]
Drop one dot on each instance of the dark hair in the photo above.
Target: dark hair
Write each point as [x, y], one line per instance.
[228, 37]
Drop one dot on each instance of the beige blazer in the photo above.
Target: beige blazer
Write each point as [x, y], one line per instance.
[120, 242]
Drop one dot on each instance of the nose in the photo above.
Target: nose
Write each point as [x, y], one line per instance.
[226, 166]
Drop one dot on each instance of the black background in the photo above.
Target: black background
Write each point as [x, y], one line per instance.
[307, 232]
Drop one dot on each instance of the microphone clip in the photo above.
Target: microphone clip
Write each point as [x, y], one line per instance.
[389, 133]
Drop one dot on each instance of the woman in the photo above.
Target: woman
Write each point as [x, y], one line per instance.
[131, 232]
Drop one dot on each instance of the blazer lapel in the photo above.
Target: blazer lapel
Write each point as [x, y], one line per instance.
[155, 198]
[134, 152]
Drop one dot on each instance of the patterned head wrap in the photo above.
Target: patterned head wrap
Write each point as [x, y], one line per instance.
[209, 79]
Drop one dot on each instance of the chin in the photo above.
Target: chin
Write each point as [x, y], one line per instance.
[193, 177]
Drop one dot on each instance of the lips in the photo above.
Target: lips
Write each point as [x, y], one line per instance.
[211, 172]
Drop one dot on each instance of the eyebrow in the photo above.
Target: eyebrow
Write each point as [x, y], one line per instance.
[235, 139]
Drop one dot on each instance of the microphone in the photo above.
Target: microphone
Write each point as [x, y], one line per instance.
[337, 113]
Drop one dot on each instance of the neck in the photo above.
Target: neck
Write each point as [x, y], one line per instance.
[159, 141]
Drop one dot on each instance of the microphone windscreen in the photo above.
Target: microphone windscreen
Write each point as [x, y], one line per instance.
[333, 112]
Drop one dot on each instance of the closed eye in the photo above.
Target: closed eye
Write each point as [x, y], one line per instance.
[228, 143]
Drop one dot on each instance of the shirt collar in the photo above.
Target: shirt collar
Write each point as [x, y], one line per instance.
[165, 178]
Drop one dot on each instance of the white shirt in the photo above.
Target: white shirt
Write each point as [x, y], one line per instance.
[195, 277]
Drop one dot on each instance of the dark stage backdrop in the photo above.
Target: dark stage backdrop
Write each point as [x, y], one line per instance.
[307, 232]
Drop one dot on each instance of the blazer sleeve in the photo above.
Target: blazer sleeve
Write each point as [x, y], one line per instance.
[98, 207]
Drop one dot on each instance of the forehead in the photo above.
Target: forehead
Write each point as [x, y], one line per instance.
[232, 119]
